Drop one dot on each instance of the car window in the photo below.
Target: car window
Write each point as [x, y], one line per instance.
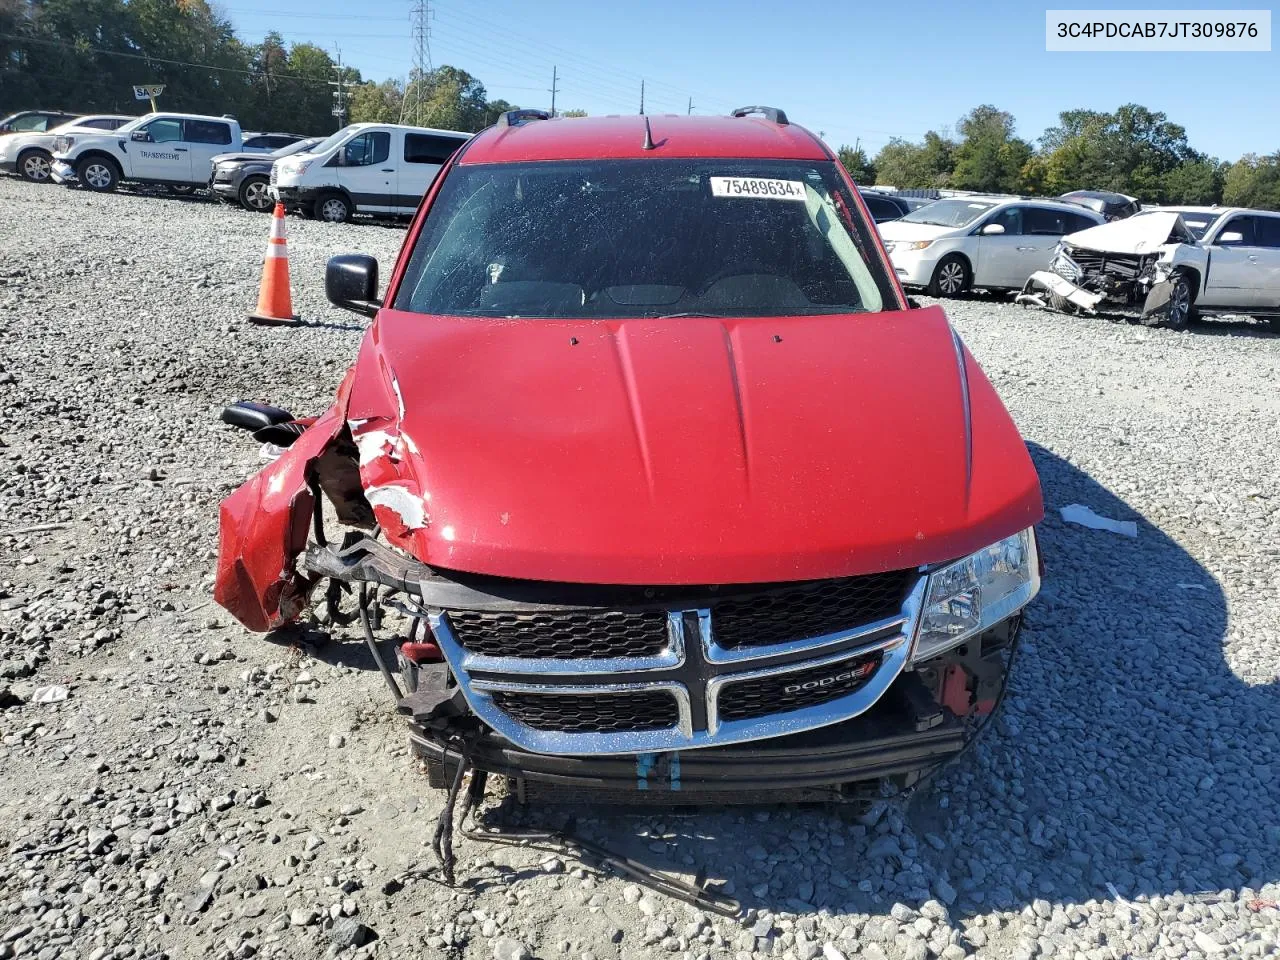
[100, 123]
[1197, 222]
[645, 238]
[1076, 221]
[949, 213]
[1242, 225]
[208, 131]
[881, 209]
[426, 148]
[33, 124]
[1266, 231]
[1011, 219]
[164, 131]
[259, 142]
[1041, 221]
[366, 149]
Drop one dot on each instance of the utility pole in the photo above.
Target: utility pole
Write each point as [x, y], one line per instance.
[554, 91]
[690, 110]
[642, 98]
[421, 54]
[340, 94]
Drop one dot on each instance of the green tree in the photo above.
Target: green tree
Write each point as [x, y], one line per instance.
[1253, 181]
[989, 158]
[925, 164]
[572, 113]
[376, 102]
[855, 160]
[446, 98]
[1198, 181]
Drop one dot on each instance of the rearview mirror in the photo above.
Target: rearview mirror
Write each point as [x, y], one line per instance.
[141, 136]
[351, 282]
[1231, 236]
[992, 230]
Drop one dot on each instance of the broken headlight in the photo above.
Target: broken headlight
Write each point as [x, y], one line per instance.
[971, 595]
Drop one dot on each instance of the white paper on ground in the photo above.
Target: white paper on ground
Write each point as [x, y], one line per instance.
[1082, 515]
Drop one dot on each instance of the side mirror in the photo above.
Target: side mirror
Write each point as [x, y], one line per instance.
[992, 230]
[248, 415]
[1231, 236]
[351, 282]
[141, 136]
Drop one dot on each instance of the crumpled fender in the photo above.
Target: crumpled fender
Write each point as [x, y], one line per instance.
[263, 527]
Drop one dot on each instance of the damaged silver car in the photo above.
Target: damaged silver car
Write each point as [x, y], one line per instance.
[1165, 267]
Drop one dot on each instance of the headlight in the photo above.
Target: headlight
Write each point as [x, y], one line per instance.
[299, 167]
[971, 595]
[912, 244]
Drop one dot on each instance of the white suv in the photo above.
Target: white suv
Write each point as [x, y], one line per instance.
[953, 245]
[31, 154]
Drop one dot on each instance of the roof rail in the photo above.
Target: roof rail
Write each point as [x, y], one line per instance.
[513, 118]
[772, 114]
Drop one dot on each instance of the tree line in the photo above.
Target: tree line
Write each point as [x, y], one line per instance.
[87, 55]
[1133, 150]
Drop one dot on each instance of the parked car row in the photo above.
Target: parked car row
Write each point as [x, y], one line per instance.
[373, 168]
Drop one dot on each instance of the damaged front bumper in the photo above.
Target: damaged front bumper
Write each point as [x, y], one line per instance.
[1136, 286]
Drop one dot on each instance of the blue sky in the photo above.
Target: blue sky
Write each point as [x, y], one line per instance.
[855, 72]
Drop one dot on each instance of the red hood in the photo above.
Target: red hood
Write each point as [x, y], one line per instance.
[691, 450]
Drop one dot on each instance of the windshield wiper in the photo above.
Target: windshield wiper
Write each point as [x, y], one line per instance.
[673, 316]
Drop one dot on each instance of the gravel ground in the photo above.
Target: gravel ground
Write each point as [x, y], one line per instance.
[203, 792]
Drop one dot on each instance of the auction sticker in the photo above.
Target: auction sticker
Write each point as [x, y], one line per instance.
[760, 188]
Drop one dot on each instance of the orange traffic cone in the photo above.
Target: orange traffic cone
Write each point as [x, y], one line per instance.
[275, 304]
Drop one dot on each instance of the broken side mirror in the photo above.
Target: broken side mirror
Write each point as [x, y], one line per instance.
[992, 230]
[351, 282]
[1231, 236]
[248, 415]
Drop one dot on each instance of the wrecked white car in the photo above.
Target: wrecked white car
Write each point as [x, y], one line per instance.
[1167, 266]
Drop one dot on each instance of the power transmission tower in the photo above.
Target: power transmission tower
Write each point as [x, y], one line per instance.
[421, 12]
[641, 97]
[554, 90]
[690, 110]
[340, 94]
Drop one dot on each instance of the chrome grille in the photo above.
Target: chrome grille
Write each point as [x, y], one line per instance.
[760, 663]
[808, 610]
[604, 713]
[272, 178]
[784, 692]
[589, 634]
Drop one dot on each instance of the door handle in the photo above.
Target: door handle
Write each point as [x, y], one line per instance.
[1252, 258]
[388, 169]
[179, 149]
[1026, 249]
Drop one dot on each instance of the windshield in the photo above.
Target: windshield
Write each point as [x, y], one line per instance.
[948, 213]
[1197, 221]
[301, 146]
[132, 124]
[331, 141]
[644, 238]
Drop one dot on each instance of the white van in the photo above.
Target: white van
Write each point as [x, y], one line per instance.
[379, 168]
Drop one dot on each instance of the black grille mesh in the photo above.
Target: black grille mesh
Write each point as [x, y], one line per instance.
[592, 634]
[769, 695]
[591, 713]
[808, 610]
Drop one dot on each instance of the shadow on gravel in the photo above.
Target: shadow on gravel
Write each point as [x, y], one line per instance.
[1128, 755]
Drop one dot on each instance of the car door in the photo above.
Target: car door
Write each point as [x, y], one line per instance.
[1266, 235]
[424, 155]
[206, 139]
[1235, 273]
[1042, 229]
[158, 151]
[366, 171]
[998, 261]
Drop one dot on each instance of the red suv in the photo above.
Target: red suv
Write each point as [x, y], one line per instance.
[652, 474]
